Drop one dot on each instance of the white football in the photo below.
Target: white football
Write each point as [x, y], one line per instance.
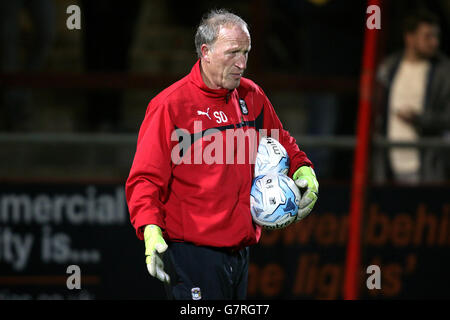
[274, 201]
[271, 157]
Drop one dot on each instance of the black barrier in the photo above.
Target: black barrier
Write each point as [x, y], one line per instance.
[47, 228]
[51, 234]
[406, 234]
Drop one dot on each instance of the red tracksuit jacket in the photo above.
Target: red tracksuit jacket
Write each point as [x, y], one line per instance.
[205, 204]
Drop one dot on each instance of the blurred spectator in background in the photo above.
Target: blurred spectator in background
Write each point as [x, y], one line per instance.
[16, 103]
[108, 31]
[414, 102]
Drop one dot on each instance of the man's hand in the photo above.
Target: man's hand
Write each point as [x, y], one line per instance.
[408, 116]
[154, 246]
[305, 179]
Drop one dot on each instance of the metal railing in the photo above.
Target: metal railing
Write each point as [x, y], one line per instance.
[334, 142]
[114, 80]
[82, 157]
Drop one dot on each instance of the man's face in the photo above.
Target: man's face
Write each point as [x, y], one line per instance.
[425, 40]
[226, 59]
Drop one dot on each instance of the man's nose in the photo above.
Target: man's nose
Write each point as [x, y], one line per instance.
[241, 62]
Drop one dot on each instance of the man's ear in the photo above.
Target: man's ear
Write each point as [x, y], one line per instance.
[206, 51]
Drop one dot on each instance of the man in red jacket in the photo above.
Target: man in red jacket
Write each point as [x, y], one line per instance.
[188, 191]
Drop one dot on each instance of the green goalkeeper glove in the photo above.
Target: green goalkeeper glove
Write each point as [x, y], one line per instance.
[305, 179]
[154, 247]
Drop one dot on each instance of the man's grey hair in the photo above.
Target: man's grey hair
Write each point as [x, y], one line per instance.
[209, 27]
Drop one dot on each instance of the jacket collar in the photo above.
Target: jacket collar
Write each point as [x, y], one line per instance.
[196, 78]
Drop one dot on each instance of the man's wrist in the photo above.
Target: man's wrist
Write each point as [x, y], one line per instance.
[301, 171]
[151, 228]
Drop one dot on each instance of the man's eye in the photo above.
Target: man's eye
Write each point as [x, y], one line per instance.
[237, 51]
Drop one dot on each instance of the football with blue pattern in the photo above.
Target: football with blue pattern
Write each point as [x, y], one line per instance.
[271, 157]
[274, 201]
